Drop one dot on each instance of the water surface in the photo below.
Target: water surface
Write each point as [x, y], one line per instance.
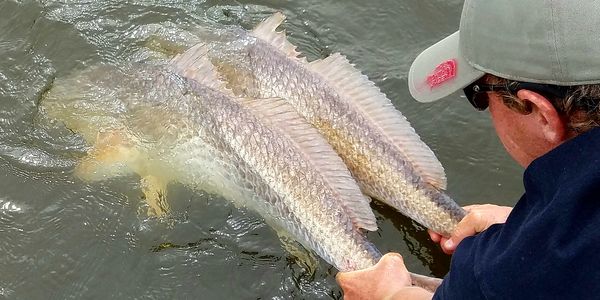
[64, 238]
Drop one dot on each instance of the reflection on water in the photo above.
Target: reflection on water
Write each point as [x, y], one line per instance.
[63, 238]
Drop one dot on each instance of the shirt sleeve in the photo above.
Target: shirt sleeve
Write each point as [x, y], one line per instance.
[461, 282]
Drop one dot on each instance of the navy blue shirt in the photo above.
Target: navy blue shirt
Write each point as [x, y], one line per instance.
[549, 247]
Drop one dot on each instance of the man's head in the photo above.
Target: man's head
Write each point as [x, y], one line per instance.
[537, 62]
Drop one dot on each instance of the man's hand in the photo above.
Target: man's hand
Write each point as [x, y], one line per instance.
[478, 219]
[388, 279]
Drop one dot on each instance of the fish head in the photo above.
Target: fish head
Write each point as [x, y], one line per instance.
[144, 101]
[127, 117]
[83, 104]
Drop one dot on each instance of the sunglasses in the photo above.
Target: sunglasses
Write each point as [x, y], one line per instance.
[477, 92]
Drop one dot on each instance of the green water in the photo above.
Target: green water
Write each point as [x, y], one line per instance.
[64, 238]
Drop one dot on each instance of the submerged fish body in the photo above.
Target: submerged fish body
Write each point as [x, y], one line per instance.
[375, 141]
[176, 124]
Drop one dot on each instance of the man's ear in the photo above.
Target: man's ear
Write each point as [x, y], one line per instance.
[543, 112]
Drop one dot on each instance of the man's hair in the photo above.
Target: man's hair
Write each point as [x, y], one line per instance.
[580, 108]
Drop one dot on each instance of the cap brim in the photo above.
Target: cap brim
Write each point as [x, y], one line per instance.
[440, 70]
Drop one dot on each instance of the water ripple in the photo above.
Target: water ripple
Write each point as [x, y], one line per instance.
[64, 238]
[8, 206]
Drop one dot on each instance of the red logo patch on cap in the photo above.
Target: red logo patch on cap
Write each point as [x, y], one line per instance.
[442, 73]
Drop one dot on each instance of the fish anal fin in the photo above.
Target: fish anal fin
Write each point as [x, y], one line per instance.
[155, 194]
[112, 155]
[115, 154]
[351, 84]
[319, 153]
[266, 31]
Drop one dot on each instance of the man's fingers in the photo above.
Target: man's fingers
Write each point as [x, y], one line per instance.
[479, 217]
[382, 281]
[470, 225]
[389, 262]
[342, 277]
[468, 208]
[444, 249]
[435, 237]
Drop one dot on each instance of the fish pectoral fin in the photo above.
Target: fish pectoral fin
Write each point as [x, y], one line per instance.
[155, 195]
[112, 155]
[303, 257]
[163, 46]
[241, 82]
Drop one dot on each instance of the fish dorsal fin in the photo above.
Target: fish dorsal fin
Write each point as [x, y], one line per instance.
[194, 64]
[266, 31]
[351, 84]
[319, 153]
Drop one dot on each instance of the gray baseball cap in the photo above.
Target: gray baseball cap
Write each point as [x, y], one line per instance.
[542, 41]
